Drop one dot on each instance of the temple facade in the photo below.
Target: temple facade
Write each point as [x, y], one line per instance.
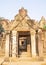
[23, 36]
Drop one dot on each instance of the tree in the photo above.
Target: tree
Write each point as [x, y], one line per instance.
[44, 27]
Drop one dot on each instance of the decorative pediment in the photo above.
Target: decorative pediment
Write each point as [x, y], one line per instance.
[24, 25]
[42, 22]
[21, 25]
[21, 15]
[23, 12]
[4, 23]
[23, 21]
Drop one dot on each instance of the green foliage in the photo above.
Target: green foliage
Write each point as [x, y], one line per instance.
[44, 27]
[1, 18]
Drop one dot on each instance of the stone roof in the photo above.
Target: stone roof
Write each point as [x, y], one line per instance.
[20, 18]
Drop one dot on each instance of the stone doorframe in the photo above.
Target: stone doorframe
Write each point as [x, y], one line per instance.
[8, 44]
[24, 36]
[15, 43]
[33, 43]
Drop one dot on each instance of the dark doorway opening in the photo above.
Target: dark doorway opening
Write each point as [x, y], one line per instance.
[24, 42]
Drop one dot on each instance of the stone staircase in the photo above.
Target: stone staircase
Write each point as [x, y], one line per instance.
[25, 54]
[23, 63]
[24, 59]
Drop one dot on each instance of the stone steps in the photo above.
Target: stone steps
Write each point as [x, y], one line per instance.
[23, 63]
[17, 61]
[25, 54]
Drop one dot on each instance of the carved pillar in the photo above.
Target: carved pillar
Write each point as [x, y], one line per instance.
[40, 43]
[44, 44]
[44, 39]
[10, 45]
[14, 41]
[7, 45]
[17, 50]
[33, 43]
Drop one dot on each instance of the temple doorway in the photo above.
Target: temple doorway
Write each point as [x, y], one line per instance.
[24, 43]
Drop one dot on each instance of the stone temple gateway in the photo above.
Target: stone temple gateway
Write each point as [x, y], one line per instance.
[23, 36]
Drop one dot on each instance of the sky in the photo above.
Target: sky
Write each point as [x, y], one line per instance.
[35, 8]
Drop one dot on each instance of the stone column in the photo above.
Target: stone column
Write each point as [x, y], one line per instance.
[33, 44]
[14, 43]
[40, 43]
[44, 39]
[7, 45]
[17, 42]
[44, 44]
[10, 45]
